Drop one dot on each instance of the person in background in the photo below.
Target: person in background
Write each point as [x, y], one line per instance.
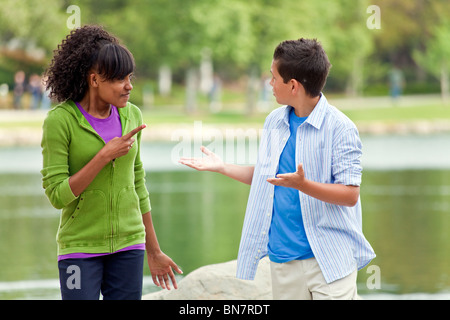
[92, 170]
[45, 101]
[19, 89]
[396, 84]
[34, 86]
[304, 208]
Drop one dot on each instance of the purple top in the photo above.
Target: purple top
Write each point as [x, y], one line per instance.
[107, 129]
[79, 255]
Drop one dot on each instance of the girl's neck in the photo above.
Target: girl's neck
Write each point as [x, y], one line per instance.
[95, 107]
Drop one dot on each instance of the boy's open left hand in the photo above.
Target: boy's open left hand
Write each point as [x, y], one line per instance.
[291, 180]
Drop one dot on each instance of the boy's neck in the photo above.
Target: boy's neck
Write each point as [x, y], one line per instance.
[304, 106]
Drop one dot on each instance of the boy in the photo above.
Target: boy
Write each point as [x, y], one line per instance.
[303, 210]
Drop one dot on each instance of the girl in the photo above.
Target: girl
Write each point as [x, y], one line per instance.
[92, 170]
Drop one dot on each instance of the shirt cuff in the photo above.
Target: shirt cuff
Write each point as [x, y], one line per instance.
[145, 206]
[66, 194]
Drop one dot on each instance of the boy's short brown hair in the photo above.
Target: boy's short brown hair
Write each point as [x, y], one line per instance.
[305, 61]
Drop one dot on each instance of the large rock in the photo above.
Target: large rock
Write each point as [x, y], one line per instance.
[219, 282]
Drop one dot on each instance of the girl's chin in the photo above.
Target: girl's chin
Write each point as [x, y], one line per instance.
[121, 103]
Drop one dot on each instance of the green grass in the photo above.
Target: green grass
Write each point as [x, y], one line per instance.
[219, 118]
[385, 114]
[399, 114]
[234, 113]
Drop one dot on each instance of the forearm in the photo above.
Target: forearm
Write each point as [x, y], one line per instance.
[115, 148]
[332, 193]
[151, 241]
[339, 194]
[160, 264]
[83, 178]
[242, 174]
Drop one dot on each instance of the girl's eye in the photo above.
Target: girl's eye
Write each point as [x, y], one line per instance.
[130, 78]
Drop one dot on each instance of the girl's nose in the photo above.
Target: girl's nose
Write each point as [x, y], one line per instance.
[128, 85]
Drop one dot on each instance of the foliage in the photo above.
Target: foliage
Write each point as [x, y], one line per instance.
[241, 35]
[436, 58]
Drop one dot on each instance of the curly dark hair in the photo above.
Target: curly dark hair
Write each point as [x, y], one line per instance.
[86, 48]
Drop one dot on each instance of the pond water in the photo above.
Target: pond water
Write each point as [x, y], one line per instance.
[198, 218]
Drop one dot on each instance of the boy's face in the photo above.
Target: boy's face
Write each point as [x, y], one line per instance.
[282, 91]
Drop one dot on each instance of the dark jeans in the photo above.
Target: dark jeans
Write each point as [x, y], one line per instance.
[116, 276]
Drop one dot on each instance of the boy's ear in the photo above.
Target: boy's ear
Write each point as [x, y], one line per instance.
[295, 85]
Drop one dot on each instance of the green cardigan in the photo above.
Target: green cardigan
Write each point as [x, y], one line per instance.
[107, 216]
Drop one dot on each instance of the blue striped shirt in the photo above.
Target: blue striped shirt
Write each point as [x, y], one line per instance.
[329, 147]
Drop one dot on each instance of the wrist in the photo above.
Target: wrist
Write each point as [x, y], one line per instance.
[222, 169]
[304, 186]
[102, 157]
[153, 251]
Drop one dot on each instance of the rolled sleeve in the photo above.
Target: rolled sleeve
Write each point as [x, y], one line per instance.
[139, 174]
[55, 172]
[59, 193]
[346, 164]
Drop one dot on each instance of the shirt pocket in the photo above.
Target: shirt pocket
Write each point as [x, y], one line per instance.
[87, 220]
[129, 212]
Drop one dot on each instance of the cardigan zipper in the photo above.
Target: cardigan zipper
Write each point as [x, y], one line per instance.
[112, 206]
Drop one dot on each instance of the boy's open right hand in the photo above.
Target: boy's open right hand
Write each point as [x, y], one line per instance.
[211, 162]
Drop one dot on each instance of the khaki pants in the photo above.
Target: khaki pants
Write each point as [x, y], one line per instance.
[303, 280]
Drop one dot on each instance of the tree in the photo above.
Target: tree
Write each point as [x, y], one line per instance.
[38, 23]
[350, 43]
[406, 28]
[25, 40]
[436, 57]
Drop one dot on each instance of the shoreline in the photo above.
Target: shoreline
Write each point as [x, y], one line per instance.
[169, 132]
[24, 127]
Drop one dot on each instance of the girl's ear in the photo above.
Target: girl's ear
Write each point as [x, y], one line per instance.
[93, 80]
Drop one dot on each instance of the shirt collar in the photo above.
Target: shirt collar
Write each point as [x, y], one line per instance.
[317, 115]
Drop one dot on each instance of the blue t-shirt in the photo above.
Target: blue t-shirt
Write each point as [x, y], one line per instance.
[287, 237]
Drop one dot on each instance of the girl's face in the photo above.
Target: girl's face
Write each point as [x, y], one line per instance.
[114, 92]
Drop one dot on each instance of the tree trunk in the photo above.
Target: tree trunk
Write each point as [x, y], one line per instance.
[191, 91]
[444, 83]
